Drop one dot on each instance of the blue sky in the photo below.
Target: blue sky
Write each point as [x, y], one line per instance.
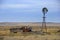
[29, 10]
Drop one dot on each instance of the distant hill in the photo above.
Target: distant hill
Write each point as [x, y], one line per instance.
[27, 23]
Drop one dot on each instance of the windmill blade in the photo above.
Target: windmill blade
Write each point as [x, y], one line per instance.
[44, 10]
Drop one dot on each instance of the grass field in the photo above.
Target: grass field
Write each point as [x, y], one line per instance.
[52, 34]
[36, 34]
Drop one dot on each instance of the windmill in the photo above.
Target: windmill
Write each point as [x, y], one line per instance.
[44, 28]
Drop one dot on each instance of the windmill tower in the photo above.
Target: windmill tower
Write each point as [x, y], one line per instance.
[44, 28]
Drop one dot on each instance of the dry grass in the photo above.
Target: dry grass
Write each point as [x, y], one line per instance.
[35, 35]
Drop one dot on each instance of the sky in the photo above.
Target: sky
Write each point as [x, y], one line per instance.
[29, 10]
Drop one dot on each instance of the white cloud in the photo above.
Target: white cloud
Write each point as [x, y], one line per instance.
[31, 3]
[34, 6]
[15, 6]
